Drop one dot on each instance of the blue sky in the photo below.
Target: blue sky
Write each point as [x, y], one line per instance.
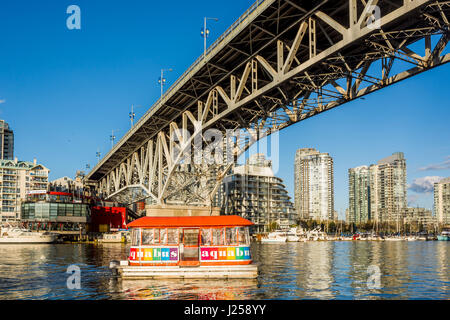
[64, 91]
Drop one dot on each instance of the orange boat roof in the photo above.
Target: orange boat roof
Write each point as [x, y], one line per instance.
[173, 222]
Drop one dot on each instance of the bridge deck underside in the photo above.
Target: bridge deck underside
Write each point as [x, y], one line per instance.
[287, 63]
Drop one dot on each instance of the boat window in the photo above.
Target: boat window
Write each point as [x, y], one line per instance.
[218, 237]
[206, 237]
[231, 236]
[163, 236]
[156, 239]
[135, 237]
[147, 237]
[244, 237]
[172, 236]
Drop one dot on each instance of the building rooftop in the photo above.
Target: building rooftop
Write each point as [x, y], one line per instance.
[7, 164]
[391, 159]
[446, 180]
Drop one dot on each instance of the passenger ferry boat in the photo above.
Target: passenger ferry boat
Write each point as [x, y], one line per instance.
[188, 247]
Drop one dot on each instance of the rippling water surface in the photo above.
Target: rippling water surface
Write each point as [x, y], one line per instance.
[314, 270]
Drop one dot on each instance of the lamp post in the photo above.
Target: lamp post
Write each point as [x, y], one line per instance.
[162, 80]
[112, 137]
[132, 115]
[205, 33]
[98, 155]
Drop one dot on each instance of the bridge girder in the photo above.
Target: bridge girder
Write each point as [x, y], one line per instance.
[292, 61]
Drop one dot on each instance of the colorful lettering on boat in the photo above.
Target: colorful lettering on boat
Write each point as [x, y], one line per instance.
[227, 253]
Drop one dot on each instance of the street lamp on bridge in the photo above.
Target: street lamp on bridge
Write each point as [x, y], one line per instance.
[112, 137]
[162, 80]
[205, 33]
[133, 115]
[98, 155]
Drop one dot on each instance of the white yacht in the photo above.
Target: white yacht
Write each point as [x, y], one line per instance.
[317, 235]
[275, 237]
[12, 235]
[394, 238]
[293, 235]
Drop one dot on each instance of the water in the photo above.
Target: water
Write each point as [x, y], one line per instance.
[314, 270]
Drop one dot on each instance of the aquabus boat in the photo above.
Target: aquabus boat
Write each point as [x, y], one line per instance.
[188, 247]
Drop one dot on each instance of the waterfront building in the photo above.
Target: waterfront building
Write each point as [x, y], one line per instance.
[359, 194]
[6, 141]
[419, 216]
[71, 211]
[314, 189]
[66, 184]
[442, 201]
[392, 189]
[253, 192]
[378, 192]
[17, 180]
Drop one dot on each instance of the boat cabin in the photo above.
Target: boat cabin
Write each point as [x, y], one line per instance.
[190, 241]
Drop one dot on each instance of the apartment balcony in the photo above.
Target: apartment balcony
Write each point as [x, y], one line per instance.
[39, 174]
[9, 191]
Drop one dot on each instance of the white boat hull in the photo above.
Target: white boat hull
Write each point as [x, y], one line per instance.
[31, 240]
[293, 239]
[273, 240]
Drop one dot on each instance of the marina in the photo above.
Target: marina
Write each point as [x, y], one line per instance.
[298, 234]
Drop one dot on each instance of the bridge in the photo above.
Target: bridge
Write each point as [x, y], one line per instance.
[282, 62]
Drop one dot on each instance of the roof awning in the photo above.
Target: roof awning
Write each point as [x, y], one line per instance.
[190, 222]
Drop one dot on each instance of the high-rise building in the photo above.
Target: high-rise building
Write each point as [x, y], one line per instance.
[378, 192]
[392, 189]
[17, 179]
[6, 141]
[314, 189]
[255, 193]
[442, 201]
[359, 194]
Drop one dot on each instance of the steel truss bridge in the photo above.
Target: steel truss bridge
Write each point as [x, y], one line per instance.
[281, 63]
